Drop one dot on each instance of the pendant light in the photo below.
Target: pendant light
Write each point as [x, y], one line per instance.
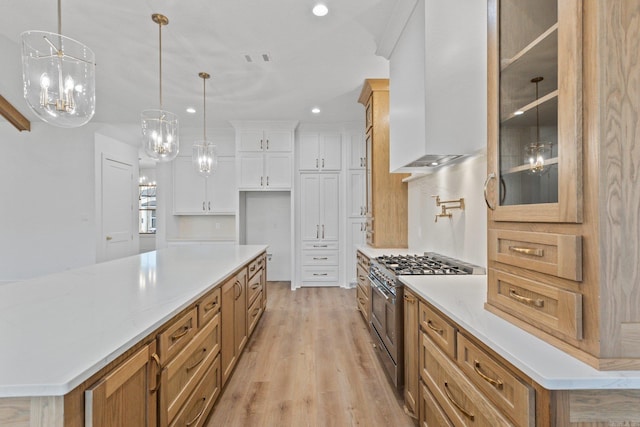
[537, 153]
[58, 75]
[205, 158]
[160, 127]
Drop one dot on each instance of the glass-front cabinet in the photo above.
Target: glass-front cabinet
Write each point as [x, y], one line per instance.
[534, 155]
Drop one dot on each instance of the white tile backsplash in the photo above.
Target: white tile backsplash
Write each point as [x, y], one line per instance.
[464, 236]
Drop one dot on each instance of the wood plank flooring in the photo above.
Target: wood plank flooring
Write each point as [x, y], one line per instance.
[310, 362]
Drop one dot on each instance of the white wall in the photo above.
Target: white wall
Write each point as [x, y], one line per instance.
[47, 217]
[464, 236]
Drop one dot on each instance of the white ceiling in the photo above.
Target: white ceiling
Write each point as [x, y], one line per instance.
[315, 61]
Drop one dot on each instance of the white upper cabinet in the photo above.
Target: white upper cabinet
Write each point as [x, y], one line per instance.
[265, 140]
[320, 151]
[357, 150]
[195, 195]
[438, 84]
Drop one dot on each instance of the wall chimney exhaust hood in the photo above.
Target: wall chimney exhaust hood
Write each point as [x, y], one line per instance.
[438, 85]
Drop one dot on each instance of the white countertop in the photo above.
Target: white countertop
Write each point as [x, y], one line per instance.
[58, 330]
[376, 252]
[462, 299]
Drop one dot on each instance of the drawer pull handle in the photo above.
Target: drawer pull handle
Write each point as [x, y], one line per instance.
[456, 404]
[496, 383]
[320, 258]
[180, 333]
[527, 251]
[535, 302]
[320, 274]
[361, 277]
[410, 300]
[253, 268]
[320, 246]
[204, 353]
[256, 311]
[211, 306]
[156, 360]
[256, 286]
[433, 328]
[193, 421]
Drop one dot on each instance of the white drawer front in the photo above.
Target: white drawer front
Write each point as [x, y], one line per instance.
[320, 274]
[319, 244]
[320, 258]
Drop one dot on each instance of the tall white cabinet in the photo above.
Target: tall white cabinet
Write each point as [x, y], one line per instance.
[356, 201]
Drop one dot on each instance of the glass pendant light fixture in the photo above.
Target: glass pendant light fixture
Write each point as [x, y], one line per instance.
[58, 75]
[160, 127]
[205, 158]
[538, 153]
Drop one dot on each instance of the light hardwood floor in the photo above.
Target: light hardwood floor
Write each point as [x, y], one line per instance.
[309, 362]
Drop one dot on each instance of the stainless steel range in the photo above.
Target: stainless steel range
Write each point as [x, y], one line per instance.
[387, 301]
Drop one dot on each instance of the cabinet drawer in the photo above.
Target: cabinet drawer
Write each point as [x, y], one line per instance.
[363, 303]
[363, 281]
[508, 392]
[363, 260]
[536, 303]
[441, 331]
[370, 240]
[254, 313]
[555, 254]
[431, 414]
[254, 287]
[177, 335]
[320, 245]
[208, 307]
[463, 403]
[320, 274]
[181, 375]
[320, 258]
[256, 265]
[195, 411]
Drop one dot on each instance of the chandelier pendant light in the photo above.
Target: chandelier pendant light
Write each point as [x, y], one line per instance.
[58, 75]
[537, 153]
[160, 127]
[205, 158]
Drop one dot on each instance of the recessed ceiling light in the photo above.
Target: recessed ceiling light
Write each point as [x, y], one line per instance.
[315, 110]
[191, 110]
[434, 163]
[320, 9]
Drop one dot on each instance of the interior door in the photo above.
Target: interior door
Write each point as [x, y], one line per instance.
[117, 209]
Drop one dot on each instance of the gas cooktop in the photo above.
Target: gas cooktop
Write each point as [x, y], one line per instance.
[428, 264]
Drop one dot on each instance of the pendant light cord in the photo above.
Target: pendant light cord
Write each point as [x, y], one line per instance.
[204, 106]
[537, 116]
[160, 56]
[60, 17]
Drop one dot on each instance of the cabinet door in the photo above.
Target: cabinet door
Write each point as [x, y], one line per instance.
[357, 151]
[227, 321]
[329, 207]
[330, 152]
[310, 206]
[240, 312]
[221, 187]
[251, 140]
[188, 188]
[535, 123]
[356, 202]
[278, 140]
[278, 171]
[369, 186]
[126, 396]
[308, 148]
[251, 174]
[356, 236]
[411, 350]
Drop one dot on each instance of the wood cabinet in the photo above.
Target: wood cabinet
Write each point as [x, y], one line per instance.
[320, 151]
[386, 193]
[127, 395]
[195, 195]
[363, 287]
[411, 368]
[559, 224]
[234, 321]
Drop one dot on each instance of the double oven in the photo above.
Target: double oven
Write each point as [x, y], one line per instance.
[387, 295]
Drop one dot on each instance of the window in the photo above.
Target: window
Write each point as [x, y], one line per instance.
[147, 208]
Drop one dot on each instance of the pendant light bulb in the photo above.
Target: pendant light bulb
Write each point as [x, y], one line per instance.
[160, 127]
[537, 153]
[58, 75]
[204, 156]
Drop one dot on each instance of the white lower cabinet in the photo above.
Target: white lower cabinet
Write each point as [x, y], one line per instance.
[196, 195]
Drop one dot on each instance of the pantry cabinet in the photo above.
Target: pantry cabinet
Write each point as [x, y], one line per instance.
[386, 194]
[559, 191]
[196, 195]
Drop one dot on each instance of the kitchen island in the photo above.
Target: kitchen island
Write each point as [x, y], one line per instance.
[63, 331]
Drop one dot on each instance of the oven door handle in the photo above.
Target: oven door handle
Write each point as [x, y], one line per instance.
[380, 289]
